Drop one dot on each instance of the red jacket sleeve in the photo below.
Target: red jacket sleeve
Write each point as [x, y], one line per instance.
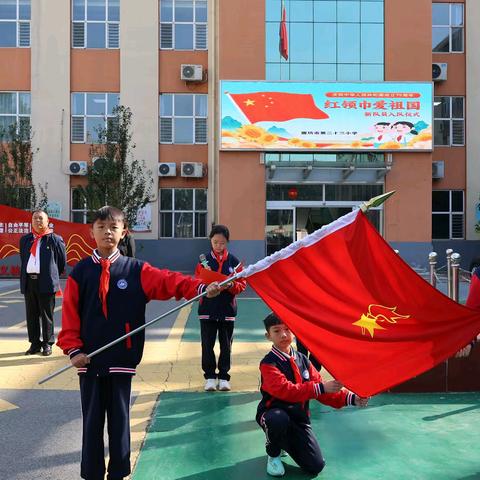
[473, 299]
[336, 400]
[239, 284]
[69, 337]
[164, 284]
[277, 384]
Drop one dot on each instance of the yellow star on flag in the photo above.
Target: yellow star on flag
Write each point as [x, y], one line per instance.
[369, 324]
[249, 102]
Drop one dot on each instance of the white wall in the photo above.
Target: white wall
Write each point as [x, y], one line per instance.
[50, 49]
[472, 32]
[139, 85]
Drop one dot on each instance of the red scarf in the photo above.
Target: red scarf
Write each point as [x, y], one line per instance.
[36, 238]
[220, 259]
[104, 283]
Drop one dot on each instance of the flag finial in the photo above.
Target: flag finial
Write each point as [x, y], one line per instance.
[375, 201]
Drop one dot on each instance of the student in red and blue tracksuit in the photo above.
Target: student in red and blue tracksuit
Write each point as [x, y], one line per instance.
[217, 315]
[105, 297]
[473, 301]
[288, 382]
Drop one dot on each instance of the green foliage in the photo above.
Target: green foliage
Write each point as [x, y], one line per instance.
[117, 178]
[477, 227]
[16, 158]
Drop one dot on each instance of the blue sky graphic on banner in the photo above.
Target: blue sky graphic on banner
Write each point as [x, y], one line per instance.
[275, 116]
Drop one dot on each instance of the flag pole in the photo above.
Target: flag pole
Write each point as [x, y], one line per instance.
[136, 330]
[375, 201]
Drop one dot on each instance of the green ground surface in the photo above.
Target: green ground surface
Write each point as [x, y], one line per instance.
[248, 325]
[214, 437]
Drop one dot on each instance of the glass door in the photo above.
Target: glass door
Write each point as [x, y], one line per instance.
[279, 228]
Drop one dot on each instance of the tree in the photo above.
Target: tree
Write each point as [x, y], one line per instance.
[16, 160]
[116, 178]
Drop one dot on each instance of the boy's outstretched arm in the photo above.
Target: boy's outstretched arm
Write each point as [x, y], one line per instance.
[164, 284]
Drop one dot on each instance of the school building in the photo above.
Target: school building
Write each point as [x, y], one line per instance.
[67, 63]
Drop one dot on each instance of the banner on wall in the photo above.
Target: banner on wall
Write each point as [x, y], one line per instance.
[321, 116]
[143, 221]
[14, 223]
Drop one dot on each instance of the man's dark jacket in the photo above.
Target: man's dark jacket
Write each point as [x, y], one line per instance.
[52, 262]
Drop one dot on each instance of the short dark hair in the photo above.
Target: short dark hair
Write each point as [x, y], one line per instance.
[220, 230]
[270, 321]
[109, 213]
[39, 210]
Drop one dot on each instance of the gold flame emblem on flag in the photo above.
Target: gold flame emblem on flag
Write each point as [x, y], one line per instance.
[378, 314]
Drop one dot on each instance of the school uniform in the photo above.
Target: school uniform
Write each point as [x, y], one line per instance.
[103, 300]
[217, 316]
[288, 382]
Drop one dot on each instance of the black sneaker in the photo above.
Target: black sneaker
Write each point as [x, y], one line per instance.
[32, 350]
[47, 350]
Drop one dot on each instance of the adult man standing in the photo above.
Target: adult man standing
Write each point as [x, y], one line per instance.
[43, 258]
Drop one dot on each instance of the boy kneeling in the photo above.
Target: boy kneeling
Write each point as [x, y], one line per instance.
[288, 382]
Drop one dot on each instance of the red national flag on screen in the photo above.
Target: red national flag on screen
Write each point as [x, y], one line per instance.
[283, 41]
[359, 308]
[277, 106]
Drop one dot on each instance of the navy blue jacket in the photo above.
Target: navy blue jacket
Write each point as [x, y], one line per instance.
[288, 382]
[52, 262]
[132, 285]
[224, 306]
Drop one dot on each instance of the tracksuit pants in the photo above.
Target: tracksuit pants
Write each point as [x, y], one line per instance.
[108, 395]
[209, 330]
[296, 438]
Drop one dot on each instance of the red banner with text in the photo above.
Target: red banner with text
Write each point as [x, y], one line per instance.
[14, 223]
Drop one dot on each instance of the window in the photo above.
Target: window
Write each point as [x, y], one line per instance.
[447, 214]
[183, 212]
[90, 114]
[328, 40]
[14, 23]
[95, 23]
[183, 118]
[78, 213]
[14, 109]
[447, 27]
[183, 24]
[449, 121]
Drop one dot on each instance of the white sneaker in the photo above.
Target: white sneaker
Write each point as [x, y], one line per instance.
[210, 385]
[275, 467]
[224, 386]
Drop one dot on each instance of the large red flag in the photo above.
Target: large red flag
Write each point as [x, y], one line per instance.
[359, 308]
[283, 40]
[277, 106]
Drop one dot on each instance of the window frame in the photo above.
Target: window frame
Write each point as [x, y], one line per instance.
[173, 211]
[450, 120]
[450, 27]
[450, 212]
[172, 117]
[17, 21]
[85, 116]
[85, 23]
[83, 211]
[173, 23]
[18, 115]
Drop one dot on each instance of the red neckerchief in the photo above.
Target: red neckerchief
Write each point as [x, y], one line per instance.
[36, 238]
[220, 259]
[105, 276]
[104, 283]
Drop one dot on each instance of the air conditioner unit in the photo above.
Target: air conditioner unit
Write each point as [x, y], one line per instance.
[97, 163]
[191, 73]
[192, 169]
[439, 71]
[77, 168]
[167, 169]
[438, 169]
